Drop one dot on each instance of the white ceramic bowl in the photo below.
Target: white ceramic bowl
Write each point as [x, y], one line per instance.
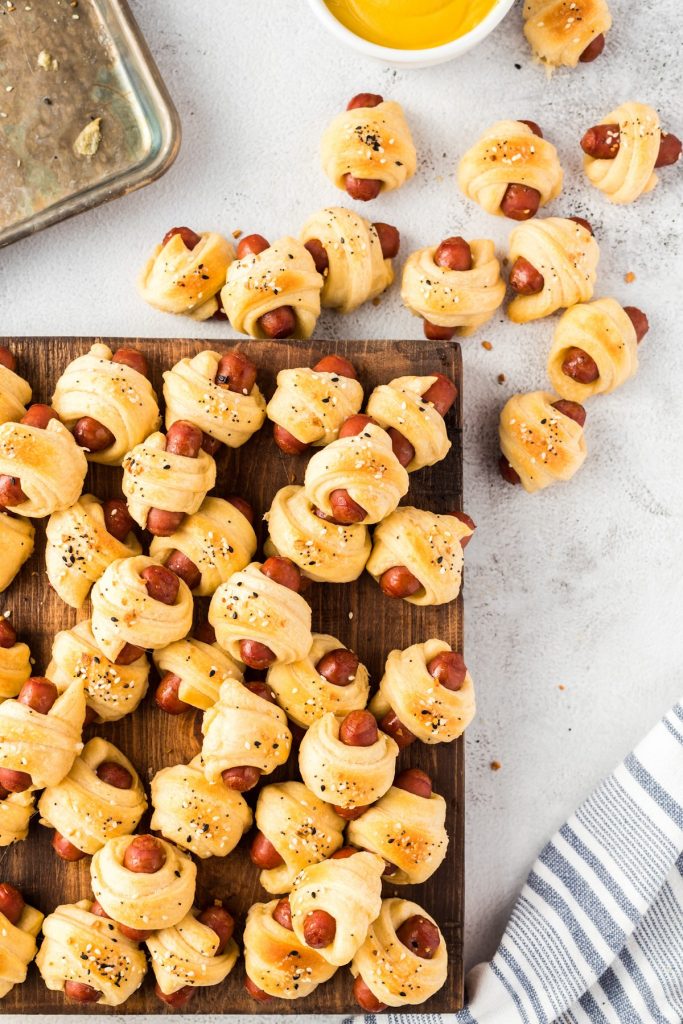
[411, 58]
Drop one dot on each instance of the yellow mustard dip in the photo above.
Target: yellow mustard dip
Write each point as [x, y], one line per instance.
[410, 24]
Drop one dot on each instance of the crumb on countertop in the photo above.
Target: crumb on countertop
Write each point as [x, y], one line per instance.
[501, 378]
[495, 766]
[487, 345]
[630, 277]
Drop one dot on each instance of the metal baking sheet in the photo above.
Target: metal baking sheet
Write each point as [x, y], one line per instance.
[64, 64]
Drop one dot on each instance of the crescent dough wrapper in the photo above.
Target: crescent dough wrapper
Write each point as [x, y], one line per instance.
[205, 818]
[399, 404]
[218, 538]
[350, 890]
[312, 405]
[86, 810]
[303, 829]
[124, 613]
[243, 729]
[508, 153]
[391, 971]
[17, 947]
[325, 552]
[16, 811]
[251, 606]
[112, 691]
[541, 444]
[342, 775]
[357, 271]
[460, 299]
[632, 172]
[115, 395]
[284, 274]
[191, 393]
[15, 394]
[370, 142]
[83, 947]
[559, 32]
[16, 544]
[305, 695]
[155, 478]
[79, 549]
[186, 955]
[432, 712]
[406, 830]
[605, 332]
[202, 669]
[365, 466]
[15, 669]
[180, 280]
[565, 254]
[276, 961]
[429, 545]
[49, 464]
[44, 746]
[143, 901]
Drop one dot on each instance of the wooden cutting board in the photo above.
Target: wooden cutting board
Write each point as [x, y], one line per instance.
[357, 613]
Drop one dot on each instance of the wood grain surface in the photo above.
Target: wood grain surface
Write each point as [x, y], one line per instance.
[357, 613]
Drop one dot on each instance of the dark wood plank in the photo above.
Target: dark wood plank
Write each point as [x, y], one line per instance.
[356, 613]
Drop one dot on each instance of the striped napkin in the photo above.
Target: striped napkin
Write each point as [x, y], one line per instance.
[596, 936]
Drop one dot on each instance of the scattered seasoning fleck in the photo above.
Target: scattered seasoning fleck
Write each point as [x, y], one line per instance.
[630, 277]
[487, 345]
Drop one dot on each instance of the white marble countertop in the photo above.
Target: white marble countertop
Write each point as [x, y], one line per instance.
[573, 596]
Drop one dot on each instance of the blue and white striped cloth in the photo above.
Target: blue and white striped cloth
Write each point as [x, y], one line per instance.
[596, 936]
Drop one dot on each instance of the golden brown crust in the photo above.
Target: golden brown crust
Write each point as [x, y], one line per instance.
[509, 152]
[370, 142]
[565, 254]
[357, 271]
[541, 444]
[114, 394]
[17, 947]
[558, 31]
[463, 300]
[84, 808]
[49, 464]
[83, 947]
[632, 171]
[392, 972]
[276, 961]
[284, 274]
[176, 279]
[605, 332]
